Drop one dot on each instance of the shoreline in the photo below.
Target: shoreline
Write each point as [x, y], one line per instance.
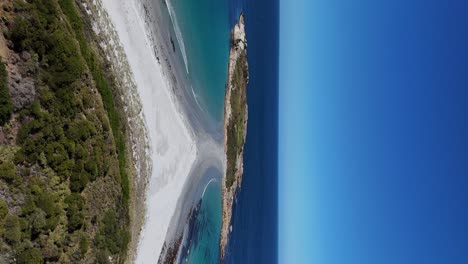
[208, 139]
[136, 131]
[172, 141]
[141, 46]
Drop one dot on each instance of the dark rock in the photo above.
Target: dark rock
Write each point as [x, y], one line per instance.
[22, 89]
[10, 44]
[7, 8]
[25, 55]
[173, 45]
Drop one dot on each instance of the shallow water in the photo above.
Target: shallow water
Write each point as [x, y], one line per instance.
[202, 31]
[204, 34]
[206, 228]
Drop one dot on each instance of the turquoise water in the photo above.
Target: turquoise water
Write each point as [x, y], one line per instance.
[204, 242]
[204, 28]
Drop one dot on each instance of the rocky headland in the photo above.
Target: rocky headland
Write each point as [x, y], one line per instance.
[235, 126]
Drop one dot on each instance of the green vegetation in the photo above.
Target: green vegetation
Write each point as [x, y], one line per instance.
[7, 171]
[6, 107]
[235, 129]
[65, 172]
[109, 237]
[12, 232]
[31, 256]
[3, 209]
[104, 89]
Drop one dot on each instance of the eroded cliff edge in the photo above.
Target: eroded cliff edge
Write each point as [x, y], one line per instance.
[235, 126]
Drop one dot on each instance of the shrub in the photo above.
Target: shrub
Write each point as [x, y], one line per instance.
[12, 229]
[84, 244]
[46, 202]
[75, 214]
[78, 181]
[102, 257]
[109, 236]
[91, 168]
[8, 171]
[37, 222]
[55, 154]
[81, 130]
[3, 209]
[22, 34]
[66, 64]
[30, 256]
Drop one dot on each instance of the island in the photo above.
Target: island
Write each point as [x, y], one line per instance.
[235, 126]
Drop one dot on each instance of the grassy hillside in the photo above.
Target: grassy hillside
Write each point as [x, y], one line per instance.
[64, 186]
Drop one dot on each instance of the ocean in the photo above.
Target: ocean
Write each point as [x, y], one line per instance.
[204, 28]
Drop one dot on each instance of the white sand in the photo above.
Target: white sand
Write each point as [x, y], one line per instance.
[173, 147]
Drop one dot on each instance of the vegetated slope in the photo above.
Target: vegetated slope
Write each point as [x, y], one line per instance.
[63, 176]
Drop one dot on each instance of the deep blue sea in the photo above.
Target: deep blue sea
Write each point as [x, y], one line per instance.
[205, 26]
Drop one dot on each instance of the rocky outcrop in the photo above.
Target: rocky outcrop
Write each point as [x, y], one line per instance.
[20, 83]
[21, 68]
[235, 126]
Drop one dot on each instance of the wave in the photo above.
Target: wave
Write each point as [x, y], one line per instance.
[195, 96]
[178, 32]
[206, 186]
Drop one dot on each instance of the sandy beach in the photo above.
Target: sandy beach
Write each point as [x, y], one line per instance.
[172, 142]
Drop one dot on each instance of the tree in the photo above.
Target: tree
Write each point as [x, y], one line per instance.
[6, 106]
[75, 214]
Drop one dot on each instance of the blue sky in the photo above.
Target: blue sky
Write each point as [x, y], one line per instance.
[373, 131]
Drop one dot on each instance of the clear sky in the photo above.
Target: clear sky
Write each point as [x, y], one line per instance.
[373, 130]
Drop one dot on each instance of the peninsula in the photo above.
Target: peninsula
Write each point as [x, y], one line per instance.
[235, 126]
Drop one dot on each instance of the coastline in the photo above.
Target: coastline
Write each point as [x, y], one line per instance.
[160, 30]
[137, 38]
[172, 141]
[235, 127]
[137, 140]
[114, 109]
